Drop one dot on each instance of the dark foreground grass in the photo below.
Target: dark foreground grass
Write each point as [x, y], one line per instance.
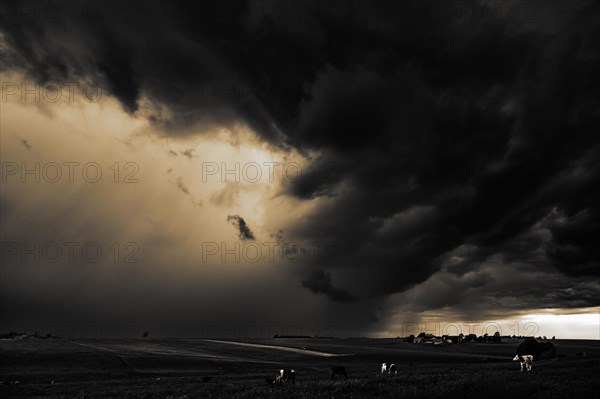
[463, 371]
[563, 379]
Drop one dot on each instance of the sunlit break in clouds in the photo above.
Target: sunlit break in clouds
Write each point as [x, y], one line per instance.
[348, 169]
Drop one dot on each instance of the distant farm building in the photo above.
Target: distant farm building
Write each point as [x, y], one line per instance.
[431, 339]
[428, 339]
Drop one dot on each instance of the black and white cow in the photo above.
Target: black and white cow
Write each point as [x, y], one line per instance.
[286, 374]
[384, 368]
[339, 370]
[392, 369]
[525, 360]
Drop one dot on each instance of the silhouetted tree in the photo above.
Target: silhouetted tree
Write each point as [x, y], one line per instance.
[496, 337]
[539, 350]
[471, 338]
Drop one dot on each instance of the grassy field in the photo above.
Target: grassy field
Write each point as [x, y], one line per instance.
[174, 368]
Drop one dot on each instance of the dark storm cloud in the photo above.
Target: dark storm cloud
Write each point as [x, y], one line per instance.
[478, 126]
[240, 224]
[319, 282]
[499, 289]
[442, 123]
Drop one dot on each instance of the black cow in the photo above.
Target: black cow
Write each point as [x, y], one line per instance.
[286, 374]
[339, 370]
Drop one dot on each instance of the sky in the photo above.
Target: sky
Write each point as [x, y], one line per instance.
[249, 168]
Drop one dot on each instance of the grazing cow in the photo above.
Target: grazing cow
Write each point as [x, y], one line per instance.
[525, 360]
[338, 370]
[392, 369]
[286, 374]
[384, 368]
